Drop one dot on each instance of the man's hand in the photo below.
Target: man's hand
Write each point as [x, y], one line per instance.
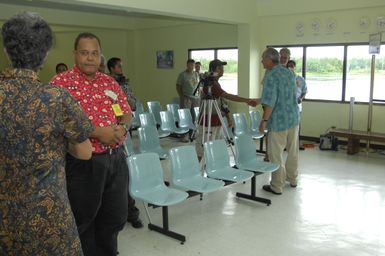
[262, 126]
[110, 135]
[253, 102]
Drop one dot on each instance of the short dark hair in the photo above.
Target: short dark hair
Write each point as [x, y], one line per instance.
[216, 63]
[112, 63]
[60, 64]
[198, 62]
[86, 35]
[27, 38]
[291, 62]
[190, 61]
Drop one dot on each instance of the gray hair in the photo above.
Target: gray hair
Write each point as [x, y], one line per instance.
[27, 38]
[272, 54]
[285, 50]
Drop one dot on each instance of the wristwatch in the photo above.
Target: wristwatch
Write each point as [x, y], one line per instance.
[125, 126]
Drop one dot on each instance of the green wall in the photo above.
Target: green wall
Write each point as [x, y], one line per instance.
[115, 43]
[137, 44]
[151, 83]
[278, 30]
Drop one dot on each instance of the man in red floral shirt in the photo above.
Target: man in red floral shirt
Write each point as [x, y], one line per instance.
[97, 188]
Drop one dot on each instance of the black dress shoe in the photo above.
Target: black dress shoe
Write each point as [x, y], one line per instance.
[136, 223]
[268, 189]
[301, 148]
[293, 185]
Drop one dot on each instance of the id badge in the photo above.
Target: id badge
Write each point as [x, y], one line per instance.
[117, 110]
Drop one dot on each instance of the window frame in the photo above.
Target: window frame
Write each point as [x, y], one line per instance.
[216, 49]
[344, 68]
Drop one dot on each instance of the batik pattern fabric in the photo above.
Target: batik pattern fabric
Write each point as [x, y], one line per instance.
[36, 124]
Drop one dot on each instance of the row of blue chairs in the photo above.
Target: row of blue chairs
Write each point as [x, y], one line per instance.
[176, 121]
[147, 182]
[165, 121]
[241, 127]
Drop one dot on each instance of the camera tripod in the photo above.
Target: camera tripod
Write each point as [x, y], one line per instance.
[204, 118]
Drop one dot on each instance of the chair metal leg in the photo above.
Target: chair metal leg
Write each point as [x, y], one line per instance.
[260, 150]
[147, 213]
[165, 229]
[252, 194]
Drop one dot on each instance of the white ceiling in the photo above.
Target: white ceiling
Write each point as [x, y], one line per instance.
[124, 14]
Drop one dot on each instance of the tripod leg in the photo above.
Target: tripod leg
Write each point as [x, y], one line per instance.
[224, 128]
[198, 119]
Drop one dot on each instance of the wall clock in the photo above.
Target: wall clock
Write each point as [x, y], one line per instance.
[364, 22]
[331, 24]
[299, 28]
[316, 25]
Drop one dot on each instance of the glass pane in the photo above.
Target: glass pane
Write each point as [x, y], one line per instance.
[229, 80]
[296, 54]
[204, 57]
[379, 76]
[358, 73]
[324, 72]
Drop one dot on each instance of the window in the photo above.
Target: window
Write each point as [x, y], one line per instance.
[204, 56]
[229, 81]
[338, 72]
[358, 73]
[324, 72]
[296, 54]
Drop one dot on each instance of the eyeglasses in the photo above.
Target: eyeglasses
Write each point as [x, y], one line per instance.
[94, 54]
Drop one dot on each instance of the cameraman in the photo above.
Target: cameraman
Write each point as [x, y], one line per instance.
[216, 71]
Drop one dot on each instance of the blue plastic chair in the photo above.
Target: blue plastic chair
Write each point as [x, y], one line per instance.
[154, 107]
[185, 119]
[173, 108]
[240, 126]
[149, 141]
[168, 123]
[246, 159]
[186, 172]
[128, 146]
[146, 184]
[147, 119]
[139, 106]
[135, 123]
[218, 163]
[255, 120]
[228, 129]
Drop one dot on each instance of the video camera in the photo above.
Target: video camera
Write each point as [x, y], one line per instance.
[208, 78]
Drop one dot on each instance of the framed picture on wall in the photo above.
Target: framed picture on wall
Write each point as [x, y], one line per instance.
[165, 59]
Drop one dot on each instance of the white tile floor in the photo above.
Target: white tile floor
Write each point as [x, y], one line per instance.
[338, 209]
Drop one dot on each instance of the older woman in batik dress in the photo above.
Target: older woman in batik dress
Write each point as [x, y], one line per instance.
[38, 125]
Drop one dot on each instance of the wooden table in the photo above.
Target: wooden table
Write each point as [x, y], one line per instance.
[354, 137]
